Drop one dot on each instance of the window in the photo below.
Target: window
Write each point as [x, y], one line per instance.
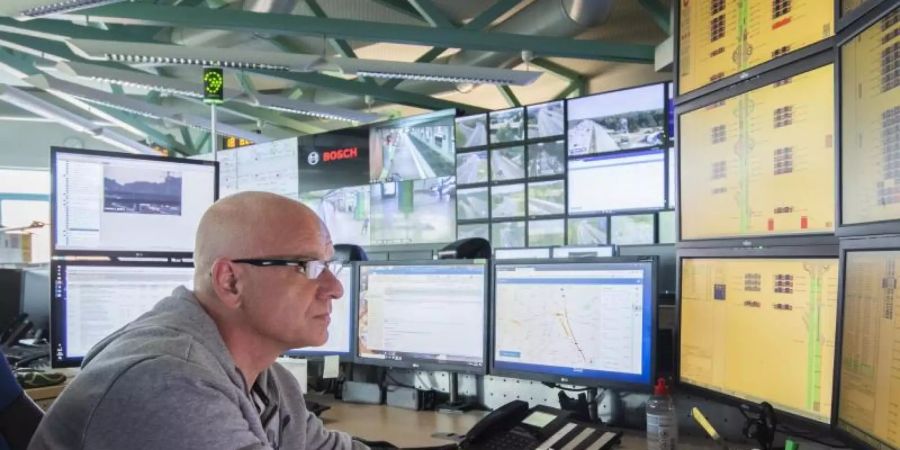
[784, 116]
[24, 198]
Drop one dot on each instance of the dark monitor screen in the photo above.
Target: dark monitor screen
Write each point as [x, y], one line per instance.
[589, 322]
[425, 314]
[91, 299]
[114, 203]
[334, 160]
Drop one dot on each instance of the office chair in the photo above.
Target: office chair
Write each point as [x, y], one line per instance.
[19, 416]
[469, 248]
[349, 252]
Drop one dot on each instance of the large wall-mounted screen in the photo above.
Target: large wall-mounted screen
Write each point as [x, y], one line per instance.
[720, 38]
[870, 123]
[620, 120]
[726, 303]
[761, 163]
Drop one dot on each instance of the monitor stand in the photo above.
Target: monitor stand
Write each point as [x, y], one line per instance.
[456, 405]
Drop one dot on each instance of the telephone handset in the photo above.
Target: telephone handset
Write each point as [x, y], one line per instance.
[515, 426]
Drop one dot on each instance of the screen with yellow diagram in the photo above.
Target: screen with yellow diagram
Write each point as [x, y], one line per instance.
[761, 330]
[870, 123]
[869, 405]
[761, 163]
[719, 38]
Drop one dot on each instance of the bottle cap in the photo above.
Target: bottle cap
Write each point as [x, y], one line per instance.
[661, 388]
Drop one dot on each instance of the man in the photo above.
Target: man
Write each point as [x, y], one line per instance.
[197, 371]
[19, 416]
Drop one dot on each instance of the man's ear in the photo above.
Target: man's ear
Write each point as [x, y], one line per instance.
[225, 283]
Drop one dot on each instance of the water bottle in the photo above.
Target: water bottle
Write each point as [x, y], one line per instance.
[662, 421]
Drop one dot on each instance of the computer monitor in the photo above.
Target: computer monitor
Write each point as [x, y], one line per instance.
[867, 409]
[112, 203]
[618, 182]
[413, 212]
[588, 322]
[340, 337]
[423, 314]
[522, 253]
[471, 131]
[92, 299]
[599, 251]
[36, 296]
[626, 119]
[760, 163]
[413, 148]
[869, 119]
[755, 329]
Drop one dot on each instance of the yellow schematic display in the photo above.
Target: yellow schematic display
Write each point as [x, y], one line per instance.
[761, 330]
[761, 163]
[870, 128]
[869, 405]
[719, 38]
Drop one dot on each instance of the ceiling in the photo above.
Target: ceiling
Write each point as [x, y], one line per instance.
[578, 46]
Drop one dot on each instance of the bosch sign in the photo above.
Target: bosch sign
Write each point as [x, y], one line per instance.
[337, 155]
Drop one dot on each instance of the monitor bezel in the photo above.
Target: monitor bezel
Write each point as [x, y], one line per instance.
[874, 244]
[872, 14]
[578, 381]
[58, 309]
[775, 252]
[309, 353]
[819, 59]
[426, 364]
[504, 249]
[574, 248]
[55, 152]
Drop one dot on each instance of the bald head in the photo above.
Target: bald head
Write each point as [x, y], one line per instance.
[253, 225]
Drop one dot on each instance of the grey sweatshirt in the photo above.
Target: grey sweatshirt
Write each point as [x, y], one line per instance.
[167, 381]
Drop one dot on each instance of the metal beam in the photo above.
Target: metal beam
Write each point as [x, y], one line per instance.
[509, 96]
[379, 92]
[341, 46]
[659, 13]
[573, 87]
[431, 13]
[558, 69]
[262, 23]
[59, 50]
[484, 19]
[400, 6]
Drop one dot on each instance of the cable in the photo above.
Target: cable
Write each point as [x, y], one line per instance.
[558, 386]
[388, 377]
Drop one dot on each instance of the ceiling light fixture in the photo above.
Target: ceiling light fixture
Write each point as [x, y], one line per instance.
[49, 8]
[141, 53]
[130, 105]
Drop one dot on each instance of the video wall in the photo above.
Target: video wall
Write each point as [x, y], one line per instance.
[586, 171]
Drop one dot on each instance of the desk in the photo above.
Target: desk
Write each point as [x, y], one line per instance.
[45, 396]
[406, 428]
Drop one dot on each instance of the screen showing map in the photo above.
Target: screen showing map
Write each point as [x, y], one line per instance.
[761, 163]
[590, 320]
[726, 301]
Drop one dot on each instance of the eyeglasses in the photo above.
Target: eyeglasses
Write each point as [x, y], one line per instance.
[311, 268]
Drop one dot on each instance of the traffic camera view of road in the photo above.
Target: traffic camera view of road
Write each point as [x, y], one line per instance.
[471, 168]
[546, 120]
[546, 159]
[471, 131]
[508, 163]
[546, 198]
[472, 203]
[588, 230]
[508, 201]
[621, 120]
[507, 125]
